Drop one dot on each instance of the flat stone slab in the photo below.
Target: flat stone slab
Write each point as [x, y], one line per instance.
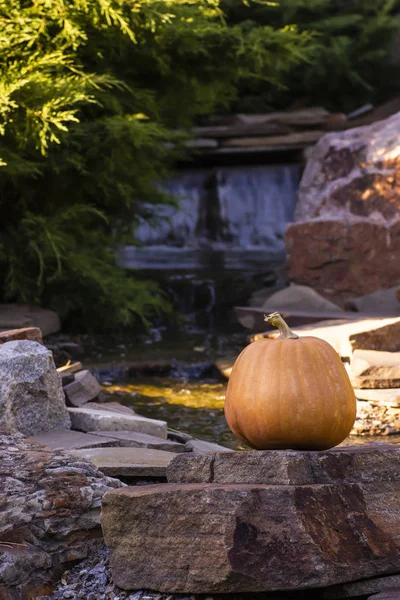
[343, 464]
[376, 383]
[87, 419]
[201, 447]
[113, 406]
[127, 462]
[225, 538]
[65, 439]
[389, 396]
[138, 440]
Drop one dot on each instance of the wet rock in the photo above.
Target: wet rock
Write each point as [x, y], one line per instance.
[50, 505]
[31, 396]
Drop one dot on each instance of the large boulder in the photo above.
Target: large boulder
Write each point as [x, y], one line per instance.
[345, 240]
[344, 259]
[258, 521]
[354, 173]
[31, 396]
[50, 508]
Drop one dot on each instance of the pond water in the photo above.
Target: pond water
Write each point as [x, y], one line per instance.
[190, 394]
[195, 407]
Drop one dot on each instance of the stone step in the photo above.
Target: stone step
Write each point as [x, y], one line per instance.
[113, 406]
[225, 538]
[385, 396]
[347, 464]
[87, 419]
[201, 447]
[375, 383]
[127, 462]
[371, 362]
[65, 439]
[139, 440]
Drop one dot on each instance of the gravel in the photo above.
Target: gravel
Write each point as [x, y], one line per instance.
[91, 579]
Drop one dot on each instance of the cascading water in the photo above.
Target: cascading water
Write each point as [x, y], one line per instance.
[227, 230]
[228, 217]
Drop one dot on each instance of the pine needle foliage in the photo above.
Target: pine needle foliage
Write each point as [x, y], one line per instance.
[91, 92]
[351, 55]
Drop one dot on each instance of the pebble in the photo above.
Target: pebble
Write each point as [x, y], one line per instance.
[91, 580]
[376, 419]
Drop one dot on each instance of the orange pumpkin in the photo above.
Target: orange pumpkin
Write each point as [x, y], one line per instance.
[290, 392]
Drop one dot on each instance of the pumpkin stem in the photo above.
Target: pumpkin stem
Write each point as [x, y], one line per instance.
[277, 320]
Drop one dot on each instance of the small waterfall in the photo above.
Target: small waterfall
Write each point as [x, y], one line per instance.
[232, 217]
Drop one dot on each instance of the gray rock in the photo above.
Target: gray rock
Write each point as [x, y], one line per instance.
[201, 446]
[65, 439]
[31, 396]
[50, 508]
[127, 462]
[86, 419]
[139, 440]
[84, 388]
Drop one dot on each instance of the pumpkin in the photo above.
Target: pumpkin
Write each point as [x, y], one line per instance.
[289, 392]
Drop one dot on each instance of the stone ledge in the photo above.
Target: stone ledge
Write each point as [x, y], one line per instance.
[126, 462]
[216, 538]
[347, 464]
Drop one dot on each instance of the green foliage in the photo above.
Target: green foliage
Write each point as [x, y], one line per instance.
[90, 92]
[349, 55]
